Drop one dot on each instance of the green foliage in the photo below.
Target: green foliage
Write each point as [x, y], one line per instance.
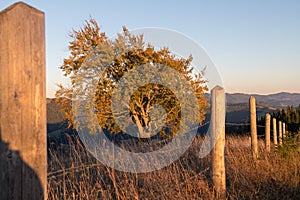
[289, 115]
[289, 148]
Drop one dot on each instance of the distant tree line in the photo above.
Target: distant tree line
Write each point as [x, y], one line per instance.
[290, 115]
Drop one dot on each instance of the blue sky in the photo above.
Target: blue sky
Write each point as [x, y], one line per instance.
[255, 45]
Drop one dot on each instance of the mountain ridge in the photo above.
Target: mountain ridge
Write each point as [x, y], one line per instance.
[280, 99]
[237, 108]
[237, 104]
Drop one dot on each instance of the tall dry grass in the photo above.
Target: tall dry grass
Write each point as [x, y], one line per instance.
[74, 174]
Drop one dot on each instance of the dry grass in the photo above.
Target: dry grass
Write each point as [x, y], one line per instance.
[272, 176]
[75, 174]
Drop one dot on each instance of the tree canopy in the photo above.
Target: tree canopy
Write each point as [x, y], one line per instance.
[97, 66]
[290, 115]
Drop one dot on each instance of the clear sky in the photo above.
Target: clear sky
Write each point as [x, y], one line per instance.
[255, 45]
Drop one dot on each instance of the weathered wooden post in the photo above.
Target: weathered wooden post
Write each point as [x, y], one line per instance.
[254, 146]
[268, 132]
[274, 132]
[280, 132]
[23, 153]
[217, 131]
[283, 131]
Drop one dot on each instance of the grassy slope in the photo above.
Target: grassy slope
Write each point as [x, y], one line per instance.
[74, 174]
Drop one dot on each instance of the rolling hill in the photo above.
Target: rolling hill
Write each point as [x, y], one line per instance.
[237, 108]
[237, 104]
[279, 100]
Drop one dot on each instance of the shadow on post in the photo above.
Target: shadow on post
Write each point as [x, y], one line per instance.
[17, 179]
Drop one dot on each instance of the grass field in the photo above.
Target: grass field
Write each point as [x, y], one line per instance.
[74, 174]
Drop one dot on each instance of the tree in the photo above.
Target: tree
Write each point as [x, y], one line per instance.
[298, 114]
[93, 54]
[288, 114]
[291, 116]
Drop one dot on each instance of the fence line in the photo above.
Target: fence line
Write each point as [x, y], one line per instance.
[23, 111]
[281, 127]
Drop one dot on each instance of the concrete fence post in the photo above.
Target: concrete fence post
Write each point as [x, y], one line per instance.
[217, 136]
[23, 141]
